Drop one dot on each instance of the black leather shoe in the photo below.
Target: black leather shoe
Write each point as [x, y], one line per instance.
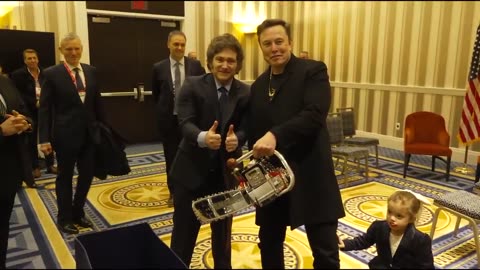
[68, 228]
[83, 222]
[33, 185]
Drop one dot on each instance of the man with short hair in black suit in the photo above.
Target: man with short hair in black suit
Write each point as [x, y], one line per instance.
[166, 82]
[13, 129]
[71, 90]
[211, 111]
[28, 80]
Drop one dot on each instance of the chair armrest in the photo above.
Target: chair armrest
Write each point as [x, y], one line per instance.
[443, 138]
[409, 136]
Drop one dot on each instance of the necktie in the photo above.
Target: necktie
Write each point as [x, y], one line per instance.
[177, 82]
[3, 110]
[222, 106]
[78, 80]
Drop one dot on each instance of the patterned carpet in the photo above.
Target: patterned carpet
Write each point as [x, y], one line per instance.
[140, 197]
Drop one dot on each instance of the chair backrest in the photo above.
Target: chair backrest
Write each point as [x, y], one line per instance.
[425, 126]
[335, 128]
[348, 119]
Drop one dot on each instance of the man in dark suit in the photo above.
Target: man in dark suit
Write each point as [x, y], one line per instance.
[28, 80]
[211, 111]
[71, 90]
[166, 82]
[13, 130]
[288, 108]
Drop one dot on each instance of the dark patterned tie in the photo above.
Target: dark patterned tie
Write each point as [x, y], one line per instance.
[177, 82]
[78, 80]
[222, 106]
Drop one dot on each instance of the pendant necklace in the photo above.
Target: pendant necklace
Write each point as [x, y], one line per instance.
[271, 90]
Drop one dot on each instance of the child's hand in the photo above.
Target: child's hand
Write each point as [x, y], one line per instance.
[340, 242]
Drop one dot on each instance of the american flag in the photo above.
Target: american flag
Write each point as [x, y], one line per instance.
[469, 129]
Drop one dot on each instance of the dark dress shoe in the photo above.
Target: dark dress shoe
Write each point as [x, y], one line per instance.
[52, 169]
[33, 185]
[83, 222]
[68, 228]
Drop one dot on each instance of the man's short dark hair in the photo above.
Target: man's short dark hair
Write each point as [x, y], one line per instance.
[270, 23]
[225, 41]
[29, 51]
[176, 32]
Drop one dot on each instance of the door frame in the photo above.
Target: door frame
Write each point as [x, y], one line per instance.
[137, 93]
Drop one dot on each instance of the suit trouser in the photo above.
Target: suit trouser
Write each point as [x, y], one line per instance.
[84, 157]
[171, 140]
[6, 205]
[322, 238]
[186, 226]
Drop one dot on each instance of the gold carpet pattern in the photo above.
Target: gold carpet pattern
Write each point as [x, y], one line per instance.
[141, 197]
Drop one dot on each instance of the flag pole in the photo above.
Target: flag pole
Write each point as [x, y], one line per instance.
[465, 169]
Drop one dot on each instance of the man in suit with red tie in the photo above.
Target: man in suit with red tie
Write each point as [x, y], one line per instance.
[211, 111]
[72, 92]
[168, 76]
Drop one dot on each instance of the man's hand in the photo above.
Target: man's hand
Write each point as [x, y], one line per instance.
[213, 140]
[11, 125]
[340, 242]
[20, 122]
[46, 148]
[231, 142]
[265, 146]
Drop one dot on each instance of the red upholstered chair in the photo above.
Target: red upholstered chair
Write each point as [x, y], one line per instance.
[426, 134]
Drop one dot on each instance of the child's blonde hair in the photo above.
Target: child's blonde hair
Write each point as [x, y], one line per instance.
[408, 199]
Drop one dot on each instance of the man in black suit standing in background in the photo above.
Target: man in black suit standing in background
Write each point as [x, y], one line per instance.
[71, 90]
[13, 130]
[211, 111]
[168, 77]
[28, 80]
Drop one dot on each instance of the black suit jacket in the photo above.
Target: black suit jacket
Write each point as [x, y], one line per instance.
[72, 119]
[162, 87]
[197, 110]
[25, 83]
[297, 117]
[413, 252]
[11, 147]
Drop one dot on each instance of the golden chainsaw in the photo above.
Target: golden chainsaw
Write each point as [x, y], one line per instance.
[261, 181]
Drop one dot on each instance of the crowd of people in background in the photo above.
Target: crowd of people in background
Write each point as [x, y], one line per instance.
[284, 109]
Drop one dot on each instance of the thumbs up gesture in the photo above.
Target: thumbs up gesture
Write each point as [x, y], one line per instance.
[231, 141]
[212, 139]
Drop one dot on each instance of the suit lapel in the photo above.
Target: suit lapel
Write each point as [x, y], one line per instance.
[168, 70]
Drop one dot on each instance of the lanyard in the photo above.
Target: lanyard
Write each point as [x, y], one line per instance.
[73, 76]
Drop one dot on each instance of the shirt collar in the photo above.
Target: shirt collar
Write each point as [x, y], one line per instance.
[72, 67]
[227, 86]
[173, 61]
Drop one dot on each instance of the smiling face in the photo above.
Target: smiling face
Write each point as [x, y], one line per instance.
[276, 47]
[31, 60]
[72, 51]
[176, 45]
[224, 65]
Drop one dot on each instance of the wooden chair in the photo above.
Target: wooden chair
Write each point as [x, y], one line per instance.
[426, 134]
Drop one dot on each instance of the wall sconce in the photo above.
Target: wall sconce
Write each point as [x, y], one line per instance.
[246, 27]
[7, 6]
